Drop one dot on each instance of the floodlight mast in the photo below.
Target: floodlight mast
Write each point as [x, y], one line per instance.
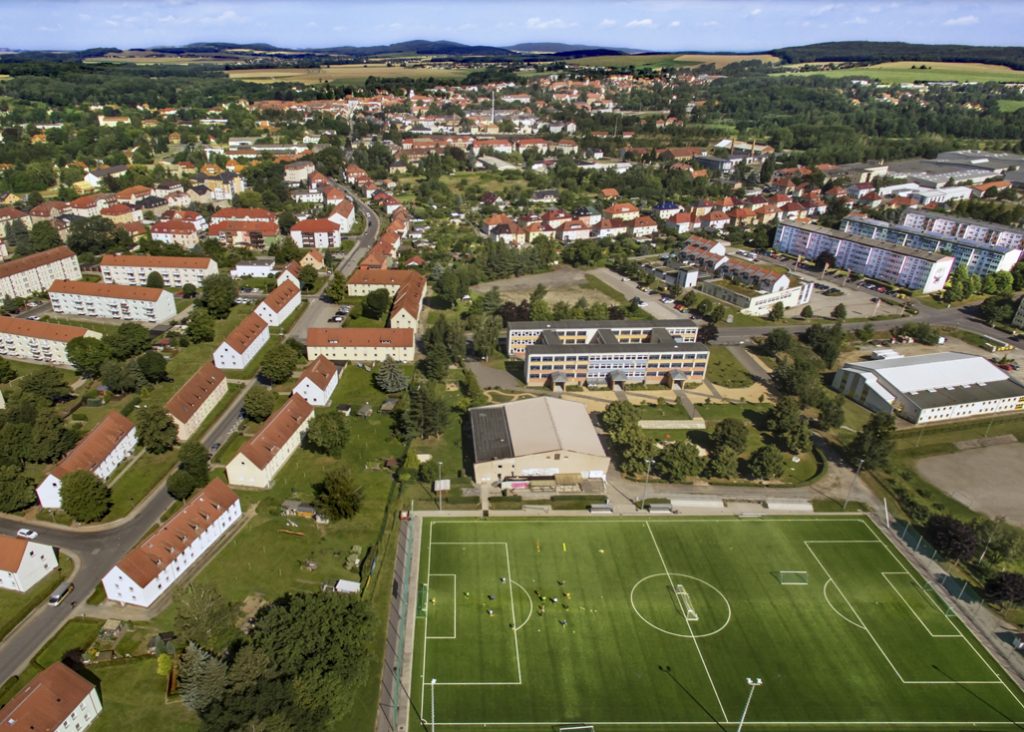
[433, 684]
[753, 684]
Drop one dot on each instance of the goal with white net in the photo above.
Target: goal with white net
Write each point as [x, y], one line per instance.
[792, 577]
[685, 604]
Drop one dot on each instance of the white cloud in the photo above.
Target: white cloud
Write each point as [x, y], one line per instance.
[828, 8]
[755, 11]
[640, 23]
[608, 23]
[858, 20]
[709, 24]
[550, 23]
[228, 16]
[674, 24]
[962, 20]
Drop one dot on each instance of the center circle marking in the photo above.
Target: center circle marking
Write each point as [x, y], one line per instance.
[673, 575]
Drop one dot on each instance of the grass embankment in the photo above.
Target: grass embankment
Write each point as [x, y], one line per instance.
[900, 72]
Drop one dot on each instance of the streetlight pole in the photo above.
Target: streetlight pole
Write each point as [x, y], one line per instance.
[647, 481]
[440, 494]
[852, 482]
[753, 684]
[433, 683]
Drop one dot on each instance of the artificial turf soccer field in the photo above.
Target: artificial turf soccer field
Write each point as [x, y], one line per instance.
[863, 645]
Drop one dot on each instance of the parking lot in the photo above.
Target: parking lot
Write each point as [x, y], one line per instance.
[318, 314]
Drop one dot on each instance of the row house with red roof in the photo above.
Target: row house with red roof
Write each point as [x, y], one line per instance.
[317, 234]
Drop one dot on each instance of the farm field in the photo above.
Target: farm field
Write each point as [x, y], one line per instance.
[350, 73]
[1005, 105]
[900, 72]
[670, 60]
[656, 625]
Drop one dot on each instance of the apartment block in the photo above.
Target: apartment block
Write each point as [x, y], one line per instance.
[23, 563]
[282, 301]
[317, 382]
[361, 344]
[25, 276]
[243, 343]
[960, 227]
[134, 269]
[35, 340]
[196, 399]
[523, 334]
[910, 268]
[260, 459]
[118, 302]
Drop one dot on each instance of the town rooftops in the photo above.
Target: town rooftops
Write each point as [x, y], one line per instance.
[94, 448]
[99, 289]
[532, 426]
[12, 551]
[46, 701]
[246, 332]
[144, 563]
[313, 226]
[360, 337]
[244, 214]
[278, 430]
[152, 262]
[194, 392]
[281, 295]
[31, 261]
[40, 329]
[320, 371]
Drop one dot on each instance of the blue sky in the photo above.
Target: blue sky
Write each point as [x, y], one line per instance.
[727, 25]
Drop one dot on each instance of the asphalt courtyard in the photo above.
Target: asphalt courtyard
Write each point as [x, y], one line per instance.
[985, 479]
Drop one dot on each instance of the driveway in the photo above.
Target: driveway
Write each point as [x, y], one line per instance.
[492, 378]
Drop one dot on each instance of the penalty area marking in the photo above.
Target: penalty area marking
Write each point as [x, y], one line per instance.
[529, 604]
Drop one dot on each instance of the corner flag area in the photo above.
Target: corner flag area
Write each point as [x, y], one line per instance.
[631, 624]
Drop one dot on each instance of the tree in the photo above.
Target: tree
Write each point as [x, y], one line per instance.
[279, 363]
[194, 459]
[188, 291]
[83, 496]
[337, 289]
[778, 340]
[767, 463]
[450, 288]
[789, 426]
[723, 463]
[200, 328]
[202, 615]
[328, 432]
[155, 428]
[376, 303]
[218, 295]
[47, 383]
[153, 366]
[164, 664]
[122, 377]
[42, 237]
[678, 461]
[486, 333]
[7, 372]
[16, 489]
[839, 312]
[155, 279]
[1006, 588]
[307, 277]
[619, 416]
[872, 446]
[807, 312]
[998, 308]
[436, 362]
[825, 341]
[130, 339]
[338, 496]
[258, 404]
[425, 410]
[730, 433]
[97, 235]
[389, 377]
[955, 539]
[830, 412]
[181, 485]
[778, 312]
[87, 355]
[202, 678]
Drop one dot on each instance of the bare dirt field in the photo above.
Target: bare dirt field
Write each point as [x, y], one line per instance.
[564, 283]
[985, 479]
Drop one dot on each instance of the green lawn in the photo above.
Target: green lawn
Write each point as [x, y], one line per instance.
[725, 370]
[133, 698]
[591, 282]
[14, 606]
[135, 483]
[1010, 105]
[864, 644]
[900, 72]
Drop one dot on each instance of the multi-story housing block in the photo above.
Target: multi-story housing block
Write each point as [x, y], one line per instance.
[134, 269]
[523, 334]
[260, 459]
[196, 399]
[25, 276]
[34, 340]
[118, 302]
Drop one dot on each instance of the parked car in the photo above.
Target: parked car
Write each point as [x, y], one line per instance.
[27, 533]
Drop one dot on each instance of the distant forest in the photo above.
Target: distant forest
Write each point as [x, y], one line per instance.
[879, 52]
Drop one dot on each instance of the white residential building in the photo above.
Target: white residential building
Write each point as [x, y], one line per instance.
[362, 344]
[932, 387]
[243, 343]
[56, 699]
[260, 459]
[134, 269]
[100, 452]
[344, 214]
[23, 562]
[254, 268]
[317, 382]
[196, 399]
[35, 340]
[316, 233]
[1018, 317]
[25, 276]
[151, 568]
[959, 227]
[282, 301]
[120, 302]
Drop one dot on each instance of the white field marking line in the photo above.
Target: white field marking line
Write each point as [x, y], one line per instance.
[971, 642]
[512, 601]
[668, 576]
[426, 623]
[824, 592]
[855, 613]
[885, 576]
[455, 608]
[926, 726]
[529, 604]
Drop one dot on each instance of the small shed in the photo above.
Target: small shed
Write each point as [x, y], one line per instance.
[346, 586]
[365, 411]
[388, 406]
[345, 409]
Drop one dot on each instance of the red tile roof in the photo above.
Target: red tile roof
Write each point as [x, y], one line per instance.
[311, 226]
[144, 563]
[12, 551]
[360, 337]
[46, 701]
[281, 295]
[40, 329]
[320, 371]
[95, 446]
[241, 214]
[245, 333]
[277, 430]
[99, 289]
[31, 261]
[145, 260]
[194, 392]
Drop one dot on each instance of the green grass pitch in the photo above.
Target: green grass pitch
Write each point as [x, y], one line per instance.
[533, 624]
